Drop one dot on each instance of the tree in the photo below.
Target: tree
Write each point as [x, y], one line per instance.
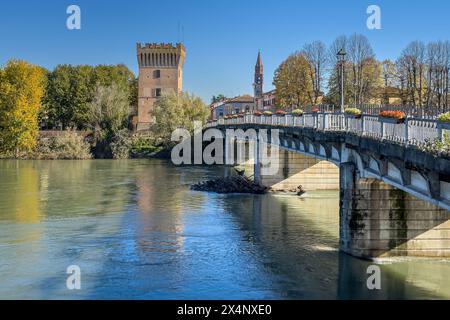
[107, 116]
[68, 93]
[21, 90]
[412, 69]
[293, 83]
[109, 110]
[316, 55]
[438, 66]
[334, 80]
[71, 89]
[362, 72]
[360, 56]
[218, 98]
[173, 111]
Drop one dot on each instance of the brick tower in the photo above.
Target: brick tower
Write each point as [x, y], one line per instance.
[160, 70]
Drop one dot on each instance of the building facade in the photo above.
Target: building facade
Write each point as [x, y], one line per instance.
[241, 104]
[268, 101]
[160, 71]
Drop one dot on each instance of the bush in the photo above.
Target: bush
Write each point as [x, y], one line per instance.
[121, 145]
[297, 112]
[267, 113]
[258, 113]
[315, 110]
[394, 114]
[144, 146]
[68, 145]
[437, 147]
[445, 117]
[280, 112]
[352, 111]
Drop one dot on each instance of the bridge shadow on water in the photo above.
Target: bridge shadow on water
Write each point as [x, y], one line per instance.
[301, 238]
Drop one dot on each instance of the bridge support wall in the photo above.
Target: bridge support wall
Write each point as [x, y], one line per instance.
[295, 169]
[378, 220]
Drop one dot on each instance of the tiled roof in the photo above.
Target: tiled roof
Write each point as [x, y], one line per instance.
[244, 99]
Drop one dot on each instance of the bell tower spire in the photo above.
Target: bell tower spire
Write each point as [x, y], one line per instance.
[259, 77]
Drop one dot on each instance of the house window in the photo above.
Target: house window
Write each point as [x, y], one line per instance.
[156, 74]
[158, 92]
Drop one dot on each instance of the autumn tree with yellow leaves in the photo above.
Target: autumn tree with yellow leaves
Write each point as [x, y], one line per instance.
[22, 87]
[293, 83]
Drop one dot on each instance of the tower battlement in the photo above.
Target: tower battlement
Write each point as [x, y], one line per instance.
[156, 45]
[164, 55]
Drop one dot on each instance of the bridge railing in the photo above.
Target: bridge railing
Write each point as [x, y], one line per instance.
[413, 131]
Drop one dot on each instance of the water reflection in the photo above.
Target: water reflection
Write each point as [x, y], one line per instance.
[137, 231]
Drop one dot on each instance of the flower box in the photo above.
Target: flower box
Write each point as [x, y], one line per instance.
[444, 121]
[297, 113]
[280, 113]
[392, 116]
[391, 120]
[353, 116]
[352, 113]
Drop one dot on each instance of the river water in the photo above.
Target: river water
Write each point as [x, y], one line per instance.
[136, 231]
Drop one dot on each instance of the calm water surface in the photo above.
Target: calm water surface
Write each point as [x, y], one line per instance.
[138, 232]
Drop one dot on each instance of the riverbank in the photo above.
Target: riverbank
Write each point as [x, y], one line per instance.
[82, 145]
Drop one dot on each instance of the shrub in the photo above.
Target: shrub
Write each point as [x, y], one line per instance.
[71, 145]
[352, 111]
[268, 113]
[394, 114]
[121, 145]
[437, 147]
[280, 112]
[445, 117]
[68, 145]
[143, 146]
[297, 112]
[315, 110]
[258, 113]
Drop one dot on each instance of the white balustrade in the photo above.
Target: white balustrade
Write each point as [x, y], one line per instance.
[412, 131]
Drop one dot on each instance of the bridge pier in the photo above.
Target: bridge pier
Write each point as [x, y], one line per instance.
[378, 220]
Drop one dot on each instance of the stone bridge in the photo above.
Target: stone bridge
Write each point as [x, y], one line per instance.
[394, 197]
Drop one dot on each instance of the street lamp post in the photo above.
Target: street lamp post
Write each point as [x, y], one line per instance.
[341, 59]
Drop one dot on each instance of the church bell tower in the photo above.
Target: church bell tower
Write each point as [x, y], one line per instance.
[259, 81]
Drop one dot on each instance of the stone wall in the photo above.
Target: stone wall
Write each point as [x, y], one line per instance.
[378, 220]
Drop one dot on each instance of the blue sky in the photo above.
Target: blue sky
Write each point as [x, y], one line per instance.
[222, 37]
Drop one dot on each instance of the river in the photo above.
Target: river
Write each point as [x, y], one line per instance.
[136, 231]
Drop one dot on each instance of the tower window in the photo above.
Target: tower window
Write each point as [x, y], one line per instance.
[158, 92]
[156, 74]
